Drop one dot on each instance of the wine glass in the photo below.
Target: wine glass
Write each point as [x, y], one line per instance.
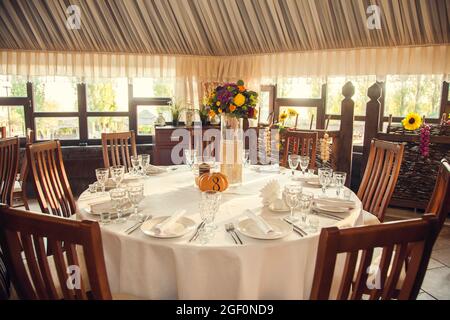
[291, 194]
[304, 163]
[211, 161]
[135, 195]
[145, 163]
[245, 157]
[136, 163]
[304, 205]
[102, 175]
[190, 156]
[209, 205]
[339, 180]
[293, 160]
[119, 200]
[325, 175]
[117, 173]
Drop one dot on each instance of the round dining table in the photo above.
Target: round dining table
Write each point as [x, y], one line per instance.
[154, 268]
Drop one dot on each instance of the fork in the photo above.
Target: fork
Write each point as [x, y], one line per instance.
[233, 230]
[228, 229]
[137, 225]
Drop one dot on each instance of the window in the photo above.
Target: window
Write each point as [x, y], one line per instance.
[305, 114]
[335, 97]
[413, 93]
[98, 125]
[64, 128]
[299, 88]
[12, 86]
[13, 118]
[153, 88]
[146, 117]
[107, 95]
[55, 94]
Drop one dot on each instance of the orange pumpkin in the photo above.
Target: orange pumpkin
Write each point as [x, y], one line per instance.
[215, 181]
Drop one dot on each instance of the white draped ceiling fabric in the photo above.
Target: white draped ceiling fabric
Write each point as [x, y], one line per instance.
[220, 40]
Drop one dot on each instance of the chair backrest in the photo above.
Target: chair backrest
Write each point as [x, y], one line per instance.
[412, 239]
[24, 234]
[380, 176]
[440, 199]
[301, 143]
[50, 179]
[24, 166]
[9, 163]
[2, 132]
[116, 150]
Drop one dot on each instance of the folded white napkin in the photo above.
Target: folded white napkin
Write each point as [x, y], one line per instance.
[169, 222]
[260, 222]
[151, 169]
[268, 168]
[101, 205]
[341, 203]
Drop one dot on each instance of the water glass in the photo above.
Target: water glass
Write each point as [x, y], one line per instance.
[136, 164]
[313, 221]
[293, 160]
[291, 195]
[325, 176]
[117, 174]
[145, 163]
[304, 205]
[190, 157]
[102, 175]
[347, 194]
[311, 172]
[93, 187]
[136, 195]
[105, 218]
[304, 163]
[119, 201]
[339, 181]
[246, 157]
[209, 205]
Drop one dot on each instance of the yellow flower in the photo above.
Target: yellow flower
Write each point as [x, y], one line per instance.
[220, 110]
[239, 99]
[412, 121]
[218, 103]
[283, 116]
[292, 112]
[232, 107]
[211, 113]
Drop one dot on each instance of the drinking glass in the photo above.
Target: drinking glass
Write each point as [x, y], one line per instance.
[311, 172]
[145, 163]
[246, 157]
[304, 205]
[313, 221]
[102, 175]
[117, 173]
[294, 160]
[136, 195]
[209, 205]
[119, 200]
[304, 163]
[105, 218]
[93, 187]
[136, 164]
[211, 161]
[190, 156]
[291, 195]
[339, 180]
[325, 175]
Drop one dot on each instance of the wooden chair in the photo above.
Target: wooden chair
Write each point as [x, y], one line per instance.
[24, 234]
[380, 176]
[301, 143]
[20, 193]
[395, 239]
[9, 163]
[2, 132]
[50, 179]
[116, 148]
[439, 204]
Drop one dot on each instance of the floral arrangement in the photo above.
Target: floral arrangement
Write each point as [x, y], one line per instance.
[287, 115]
[425, 140]
[325, 148]
[233, 99]
[412, 121]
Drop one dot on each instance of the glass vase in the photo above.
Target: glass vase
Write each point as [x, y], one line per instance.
[231, 148]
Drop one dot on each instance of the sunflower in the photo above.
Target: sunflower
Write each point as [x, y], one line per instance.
[292, 112]
[283, 116]
[239, 99]
[412, 121]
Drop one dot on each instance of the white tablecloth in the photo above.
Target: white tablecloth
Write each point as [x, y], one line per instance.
[176, 269]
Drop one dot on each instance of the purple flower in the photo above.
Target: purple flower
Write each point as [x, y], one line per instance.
[425, 140]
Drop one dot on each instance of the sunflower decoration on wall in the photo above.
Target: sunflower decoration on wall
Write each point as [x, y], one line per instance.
[412, 121]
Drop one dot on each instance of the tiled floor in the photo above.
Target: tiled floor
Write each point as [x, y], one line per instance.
[436, 284]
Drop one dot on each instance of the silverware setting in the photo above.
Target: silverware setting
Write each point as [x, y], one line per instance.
[200, 226]
[296, 228]
[327, 215]
[136, 226]
[229, 227]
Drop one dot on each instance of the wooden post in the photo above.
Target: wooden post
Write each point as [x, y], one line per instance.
[373, 110]
[2, 132]
[346, 131]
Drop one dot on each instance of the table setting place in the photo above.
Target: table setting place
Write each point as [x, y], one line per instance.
[271, 203]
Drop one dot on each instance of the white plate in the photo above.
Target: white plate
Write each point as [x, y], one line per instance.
[249, 228]
[271, 207]
[180, 228]
[313, 183]
[331, 208]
